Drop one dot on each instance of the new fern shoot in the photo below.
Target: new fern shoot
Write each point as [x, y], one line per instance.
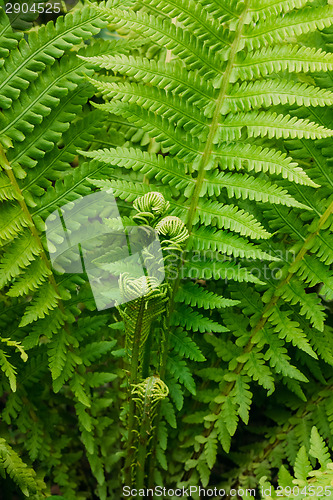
[211, 122]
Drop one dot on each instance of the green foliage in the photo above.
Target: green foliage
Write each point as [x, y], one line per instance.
[211, 121]
[307, 482]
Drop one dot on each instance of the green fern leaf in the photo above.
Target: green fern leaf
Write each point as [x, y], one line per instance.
[259, 159]
[179, 369]
[8, 369]
[302, 465]
[185, 346]
[318, 449]
[255, 367]
[42, 47]
[268, 124]
[243, 397]
[230, 217]
[292, 24]
[210, 449]
[288, 329]
[254, 95]
[18, 471]
[205, 239]
[207, 269]
[45, 299]
[278, 58]
[192, 320]
[195, 295]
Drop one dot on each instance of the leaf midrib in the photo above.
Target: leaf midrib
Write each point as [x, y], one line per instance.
[215, 120]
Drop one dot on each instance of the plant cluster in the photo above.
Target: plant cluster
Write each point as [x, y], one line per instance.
[211, 122]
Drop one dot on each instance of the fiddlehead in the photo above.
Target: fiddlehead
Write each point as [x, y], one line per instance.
[174, 231]
[150, 207]
[147, 394]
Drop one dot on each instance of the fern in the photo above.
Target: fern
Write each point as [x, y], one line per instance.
[211, 123]
[237, 102]
[306, 479]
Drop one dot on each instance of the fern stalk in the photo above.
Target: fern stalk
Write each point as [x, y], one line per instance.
[4, 163]
[215, 120]
[133, 379]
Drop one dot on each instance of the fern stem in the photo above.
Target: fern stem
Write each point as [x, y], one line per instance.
[215, 121]
[162, 370]
[146, 357]
[142, 452]
[20, 198]
[261, 323]
[135, 355]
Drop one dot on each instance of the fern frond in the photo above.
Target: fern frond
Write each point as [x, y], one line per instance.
[195, 18]
[318, 448]
[171, 139]
[8, 38]
[44, 95]
[42, 47]
[185, 346]
[43, 138]
[17, 256]
[290, 25]
[195, 295]
[125, 190]
[269, 124]
[256, 368]
[252, 157]
[276, 58]
[278, 358]
[45, 299]
[166, 169]
[179, 369]
[13, 222]
[313, 272]
[254, 95]
[8, 369]
[207, 269]
[290, 330]
[190, 319]
[204, 239]
[311, 306]
[262, 9]
[213, 213]
[155, 101]
[163, 32]
[172, 77]
[253, 188]
[18, 471]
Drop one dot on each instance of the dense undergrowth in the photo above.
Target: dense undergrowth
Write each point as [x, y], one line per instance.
[211, 122]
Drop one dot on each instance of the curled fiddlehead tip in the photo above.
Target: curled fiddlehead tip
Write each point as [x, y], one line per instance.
[148, 392]
[174, 230]
[132, 288]
[150, 206]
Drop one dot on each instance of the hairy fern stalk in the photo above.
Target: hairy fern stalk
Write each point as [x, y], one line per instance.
[212, 123]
